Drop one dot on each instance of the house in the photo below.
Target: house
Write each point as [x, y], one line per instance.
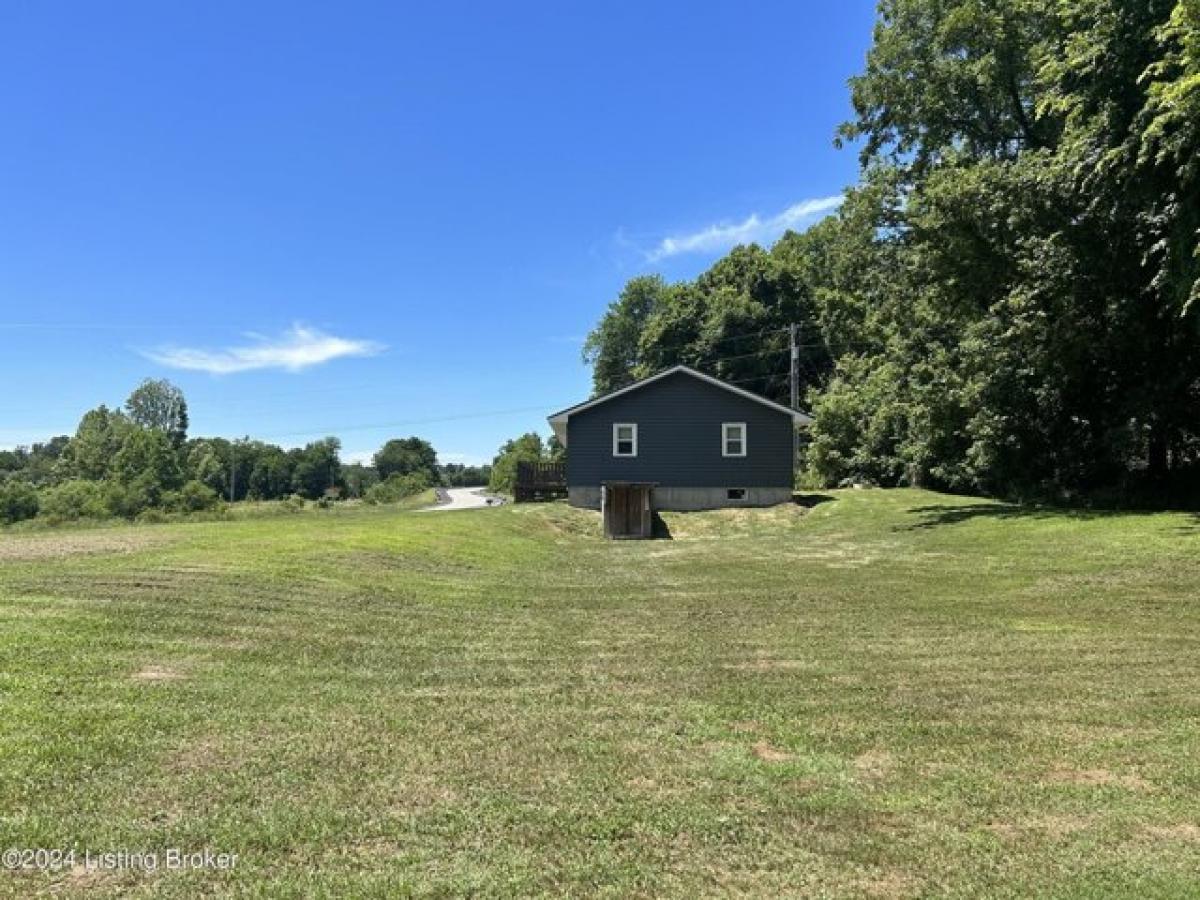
[690, 440]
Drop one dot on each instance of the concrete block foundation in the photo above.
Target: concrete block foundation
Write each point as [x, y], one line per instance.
[687, 498]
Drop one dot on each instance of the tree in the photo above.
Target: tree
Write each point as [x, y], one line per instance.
[613, 347]
[41, 460]
[527, 448]
[100, 435]
[271, 475]
[458, 475]
[317, 468]
[403, 456]
[731, 322]
[148, 462]
[359, 479]
[209, 462]
[1006, 302]
[160, 405]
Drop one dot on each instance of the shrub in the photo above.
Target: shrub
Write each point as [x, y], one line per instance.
[128, 501]
[397, 487]
[195, 496]
[294, 503]
[75, 499]
[18, 500]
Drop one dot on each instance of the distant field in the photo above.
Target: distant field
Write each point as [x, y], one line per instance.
[896, 693]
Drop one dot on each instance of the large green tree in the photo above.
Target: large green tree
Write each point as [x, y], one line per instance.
[613, 349]
[160, 405]
[318, 468]
[100, 435]
[1007, 301]
[403, 456]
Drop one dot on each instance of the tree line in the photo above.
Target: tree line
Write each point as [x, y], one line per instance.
[1007, 301]
[138, 462]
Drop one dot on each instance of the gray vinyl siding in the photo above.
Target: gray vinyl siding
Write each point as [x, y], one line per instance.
[679, 438]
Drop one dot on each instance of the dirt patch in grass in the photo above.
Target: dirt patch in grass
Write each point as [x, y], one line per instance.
[874, 765]
[767, 753]
[59, 545]
[205, 754]
[1043, 826]
[157, 673]
[1100, 778]
[768, 665]
[91, 878]
[887, 885]
[1188, 832]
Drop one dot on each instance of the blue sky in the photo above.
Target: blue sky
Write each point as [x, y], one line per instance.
[373, 220]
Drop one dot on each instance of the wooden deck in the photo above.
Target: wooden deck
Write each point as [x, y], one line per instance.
[540, 481]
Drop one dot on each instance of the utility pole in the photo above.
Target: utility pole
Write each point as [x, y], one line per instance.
[794, 383]
[794, 333]
[232, 469]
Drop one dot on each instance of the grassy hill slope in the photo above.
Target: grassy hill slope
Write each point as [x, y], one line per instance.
[895, 692]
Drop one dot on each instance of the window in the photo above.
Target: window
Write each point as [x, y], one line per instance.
[735, 494]
[733, 439]
[624, 439]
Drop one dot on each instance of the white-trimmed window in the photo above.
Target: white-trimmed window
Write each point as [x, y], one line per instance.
[733, 438]
[625, 439]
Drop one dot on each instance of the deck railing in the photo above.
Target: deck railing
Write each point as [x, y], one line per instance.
[540, 481]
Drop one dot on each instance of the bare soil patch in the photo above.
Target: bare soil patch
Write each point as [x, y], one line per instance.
[874, 765]
[1100, 778]
[767, 753]
[1180, 831]
[888, 885]
[1050, 825]
[768, 665]
[52, 546]
[157, 673]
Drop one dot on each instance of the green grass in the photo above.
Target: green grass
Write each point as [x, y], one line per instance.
[898, 693]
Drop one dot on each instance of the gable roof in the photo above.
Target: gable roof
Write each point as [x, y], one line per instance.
[558, 421]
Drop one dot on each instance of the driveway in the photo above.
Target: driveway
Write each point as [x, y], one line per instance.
[462, 498]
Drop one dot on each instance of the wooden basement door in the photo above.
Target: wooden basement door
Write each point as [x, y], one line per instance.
[628, 510]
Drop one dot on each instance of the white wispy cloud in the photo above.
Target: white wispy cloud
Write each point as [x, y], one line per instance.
[753, 229]
[297, 348]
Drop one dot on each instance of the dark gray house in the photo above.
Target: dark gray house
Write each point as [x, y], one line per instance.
[699, 441]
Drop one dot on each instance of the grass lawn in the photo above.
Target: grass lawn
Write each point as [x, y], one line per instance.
[896, 693]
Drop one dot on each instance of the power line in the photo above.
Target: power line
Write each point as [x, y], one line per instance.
[699, 343]
[723, 359]
[403, 424]
[763, 380]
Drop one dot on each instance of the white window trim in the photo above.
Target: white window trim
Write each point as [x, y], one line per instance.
[616, 427]
[725, 426]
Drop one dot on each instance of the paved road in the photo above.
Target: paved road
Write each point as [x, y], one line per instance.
[461, 498]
